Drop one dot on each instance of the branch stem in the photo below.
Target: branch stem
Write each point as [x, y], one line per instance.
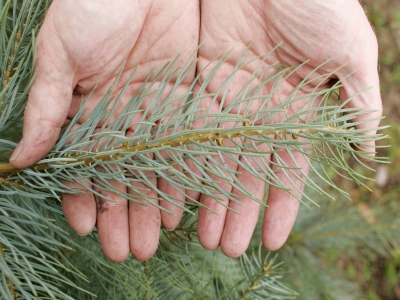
[216, 135]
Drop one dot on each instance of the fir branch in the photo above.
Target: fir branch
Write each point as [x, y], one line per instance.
[9, 72]
[262, 276]
[9, 282]
[32, 226]
[216, 135]
[264, 271]
[327, 128]
[6, 182]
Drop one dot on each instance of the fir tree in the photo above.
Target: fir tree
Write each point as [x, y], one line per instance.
[42, 258]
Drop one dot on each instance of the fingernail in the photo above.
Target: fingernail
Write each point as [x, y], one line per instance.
[17, 151]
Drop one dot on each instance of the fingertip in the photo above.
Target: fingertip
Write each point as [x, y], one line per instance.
[208, 242]
[80, 212]
[211, 222]
[145, 247]
[272, 242]
[279, 218]
[142, 255]
[169, 221]
[277, 226]
[116, 255]
[232, 250]
[276, 229]
[14, 161]
[144, 230]
[239, 227]
[113, 229]
[36, 144]
[209, 237]
[112, 221]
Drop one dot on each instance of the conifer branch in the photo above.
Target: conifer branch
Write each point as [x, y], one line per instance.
[261, 271]
[9, 73]
[265, 270]
[34, 225]
[9, 282]
[328, 129]
[216, 135]
[6, 182]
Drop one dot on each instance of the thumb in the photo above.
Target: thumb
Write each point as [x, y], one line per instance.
[47, 107]
[365, 77]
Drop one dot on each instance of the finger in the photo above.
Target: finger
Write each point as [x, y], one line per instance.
[212, 214]
[194, 164]
[212, 219]
[79, 209]
[177, 195]
[363, 67]
[48, 101]
[144, 220]
[242, 219]
[112, 221]
[282, 209]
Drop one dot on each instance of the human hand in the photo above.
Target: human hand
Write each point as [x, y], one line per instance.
[85, 43]
[314, 31]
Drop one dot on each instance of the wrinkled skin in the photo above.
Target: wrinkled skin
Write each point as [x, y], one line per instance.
[313, 31]
[85, 43]
[97, 39]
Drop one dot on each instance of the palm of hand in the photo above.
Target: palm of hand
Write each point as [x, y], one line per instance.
[79, 46]
[96, 41]
[312, 32]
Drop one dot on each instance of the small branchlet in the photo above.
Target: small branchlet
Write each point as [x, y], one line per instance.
[267, 269]
[9, 283]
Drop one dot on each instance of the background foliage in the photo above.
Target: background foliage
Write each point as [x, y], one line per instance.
[343, 250]
[379, 275]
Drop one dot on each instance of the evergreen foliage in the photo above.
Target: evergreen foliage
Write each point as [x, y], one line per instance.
[42, 258]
